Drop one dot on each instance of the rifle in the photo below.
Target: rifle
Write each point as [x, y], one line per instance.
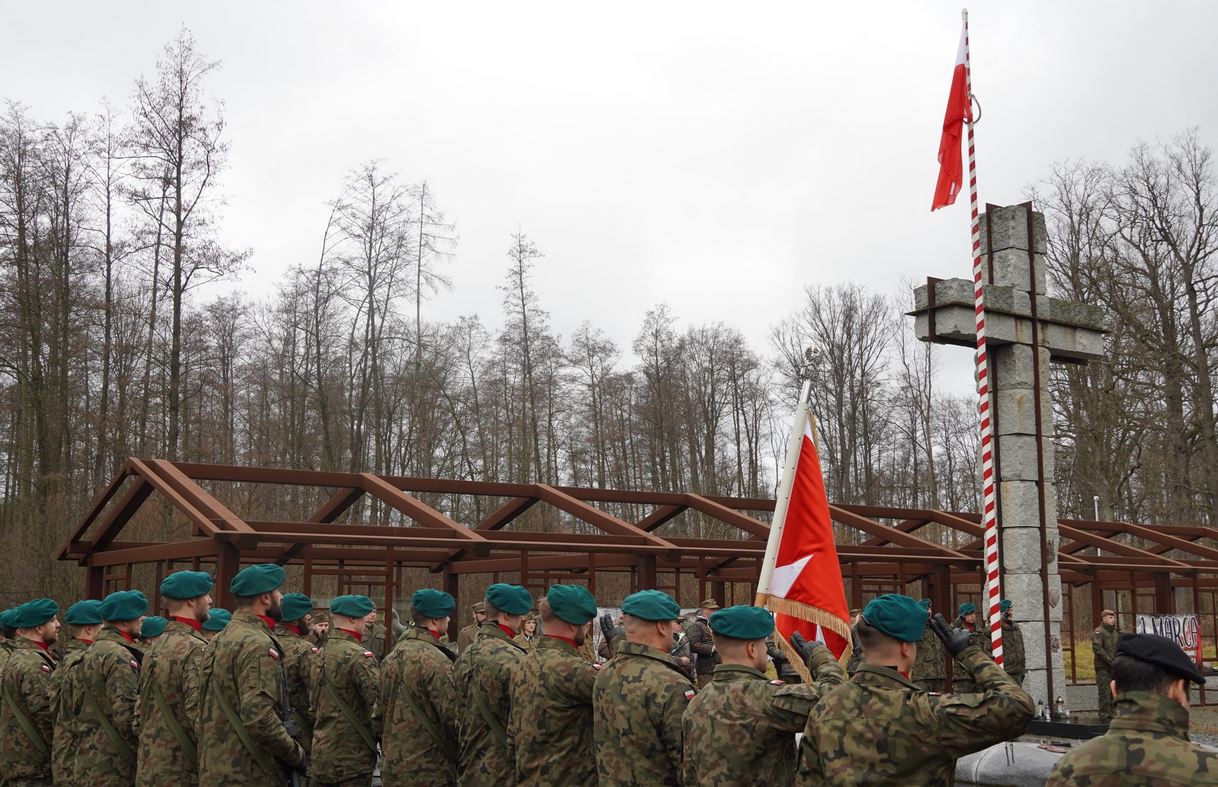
[289, 722]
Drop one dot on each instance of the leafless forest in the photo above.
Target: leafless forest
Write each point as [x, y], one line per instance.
[113, 346]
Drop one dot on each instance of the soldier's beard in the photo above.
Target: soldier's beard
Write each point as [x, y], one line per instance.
[580, 636]
[275, 612]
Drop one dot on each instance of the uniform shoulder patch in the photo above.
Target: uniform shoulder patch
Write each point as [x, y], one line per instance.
[315, 650]
[134, 664]
[46, 668]
[273, 653]
[690, 694]
[367, 654]
[597, 665]
[778, 683]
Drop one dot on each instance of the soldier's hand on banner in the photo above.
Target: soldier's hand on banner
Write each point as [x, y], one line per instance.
[803, 647]
[954, 641]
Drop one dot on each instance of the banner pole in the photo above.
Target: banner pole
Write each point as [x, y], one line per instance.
[993, 589]
[794, 443]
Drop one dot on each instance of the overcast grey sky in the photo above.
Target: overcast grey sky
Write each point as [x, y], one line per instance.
[718, 156]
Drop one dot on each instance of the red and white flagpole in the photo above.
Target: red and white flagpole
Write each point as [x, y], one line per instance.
[989, 516]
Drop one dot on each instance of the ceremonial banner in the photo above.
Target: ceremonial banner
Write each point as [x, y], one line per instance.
[1184, 630]
[801, 579]
[959, 111]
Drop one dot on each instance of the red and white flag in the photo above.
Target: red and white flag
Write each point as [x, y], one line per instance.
[801, 579]
[959, 111]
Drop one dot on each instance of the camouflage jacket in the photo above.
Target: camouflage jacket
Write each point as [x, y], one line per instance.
[702, 645]
[637, 703]
[298, 652]
[1014, 660]
[930, 663]
[242, 669]
[25, 682]
[856, 654]
[66, 741]
[420, 714]
[550, 727]
[107, 681]
[343, 696]
[740, 729]
[170, 675]
[1146, 743]
[375, 639]
[1103, 645]
[483, 679]
[978, 635]
[881, 728]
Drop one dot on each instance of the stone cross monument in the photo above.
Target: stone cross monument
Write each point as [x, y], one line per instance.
[1026, 330]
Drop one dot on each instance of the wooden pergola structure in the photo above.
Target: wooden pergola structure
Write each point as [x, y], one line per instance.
[592, 532]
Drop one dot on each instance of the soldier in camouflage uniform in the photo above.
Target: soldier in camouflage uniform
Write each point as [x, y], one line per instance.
[84, 623]
[639, 697]
[217, 619]
[550, 726]
[1013, 659]
[966, 621]
[856, 652]
[702, 644]
[1147, 742]
[375, 637]
[344, 692]
[26, 713]
[466, 636]
[740, 729]
[298, 651]
[483, 678]
[8, 635]
[106, 684]
[169, 686]
[930, 666]
[1103, 648]
[419, 701]
[242, 738]
[881, 729]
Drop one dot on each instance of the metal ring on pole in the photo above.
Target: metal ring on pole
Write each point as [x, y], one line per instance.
[974, 100]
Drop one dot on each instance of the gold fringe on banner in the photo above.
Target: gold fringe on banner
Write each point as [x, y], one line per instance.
[813, 615]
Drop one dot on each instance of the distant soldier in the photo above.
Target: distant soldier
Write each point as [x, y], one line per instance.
[343, 694]
[1103, 647]
[151, 629]
[419, 700]
[856, 650]
[298, 650]
[966, 621]
[107, 683]
[217, 619]
[375, 636]
[1147, 742]
[84, 623]
[527, 638]
[550, 727]
[169, 687]
[880, 728]
[26, 713]
[1013, 659]
[242, 738]
[8, 634]
[639, 697]
[930, 666]
[483, 677]
[740, 729]
[465, 637]
[702, 644]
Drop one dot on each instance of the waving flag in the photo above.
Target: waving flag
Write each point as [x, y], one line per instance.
[801, 579]
[959, 110]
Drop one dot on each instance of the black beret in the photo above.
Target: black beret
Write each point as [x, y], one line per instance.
[1162, 652]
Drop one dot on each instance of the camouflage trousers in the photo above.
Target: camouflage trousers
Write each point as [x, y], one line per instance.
[934, 685]
[1104, 693]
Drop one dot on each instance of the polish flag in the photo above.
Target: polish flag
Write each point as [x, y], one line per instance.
[959, 111]
[801, 578]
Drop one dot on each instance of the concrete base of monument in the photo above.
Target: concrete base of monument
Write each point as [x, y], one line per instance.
[1013, 764]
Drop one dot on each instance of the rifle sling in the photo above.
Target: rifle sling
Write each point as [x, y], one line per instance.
[107, 725]
[242, 735]
[171, 721]
[26, 724]
[350, 716]
[484, 710]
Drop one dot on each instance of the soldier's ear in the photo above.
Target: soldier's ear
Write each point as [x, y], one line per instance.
[1113, 688]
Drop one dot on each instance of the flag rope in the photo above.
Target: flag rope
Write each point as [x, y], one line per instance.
[989, 518]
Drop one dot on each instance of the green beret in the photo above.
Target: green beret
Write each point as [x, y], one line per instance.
[742, 622]
[6, 618]
[256, 580]
[153, 626]
[900, 617]
[433, 604]
[84, 613]
[34, 613]
[182, 585]
[217, 620]
[967, 608]
[512, 599]
[925, 603]
[652, 605]
[296, 606]
[352, 606]
[572, 603]
[1004, 605]
[124, 605]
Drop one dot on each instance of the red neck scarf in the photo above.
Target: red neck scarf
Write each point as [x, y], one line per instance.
[433, 634]
[270, 622]
[46, 648]
[87, 641]
[127, 635]
[570, 642]
[292, 627]
[194, 624]
[506, 630]
[354, 635]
